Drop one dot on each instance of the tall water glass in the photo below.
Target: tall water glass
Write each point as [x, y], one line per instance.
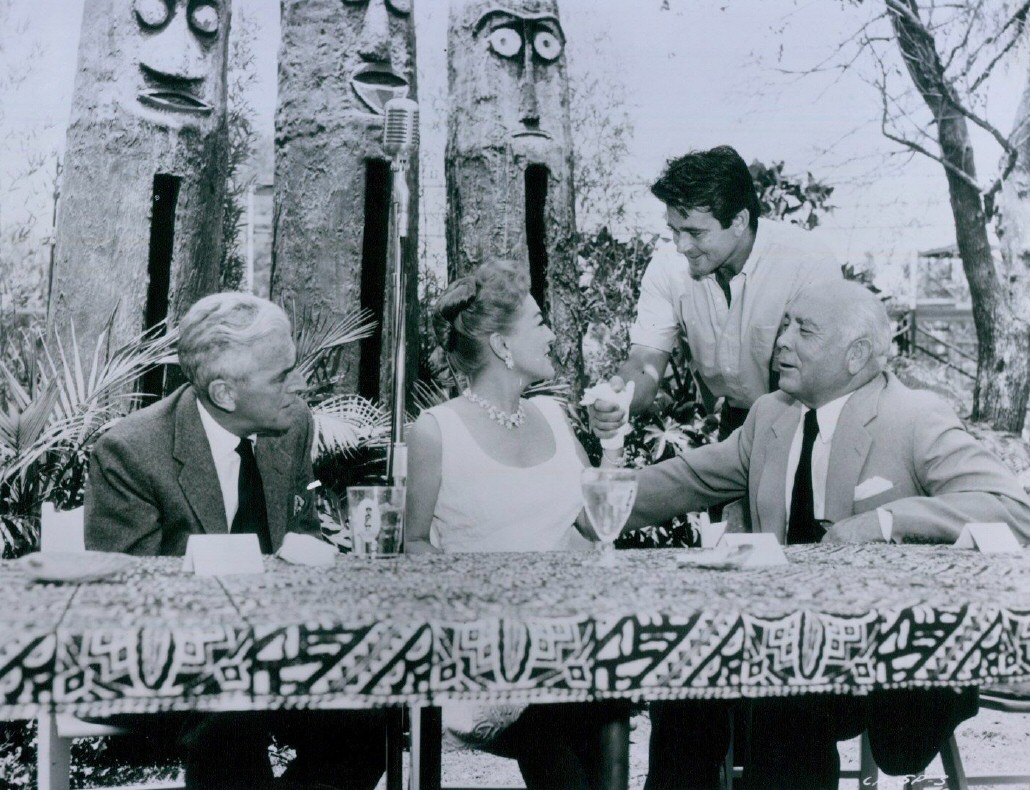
[608, 495]
[376, 518]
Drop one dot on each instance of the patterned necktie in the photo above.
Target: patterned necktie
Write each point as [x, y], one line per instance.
[802, 527]
[251, 514]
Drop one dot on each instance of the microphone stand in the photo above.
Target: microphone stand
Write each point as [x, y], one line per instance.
[397, 459]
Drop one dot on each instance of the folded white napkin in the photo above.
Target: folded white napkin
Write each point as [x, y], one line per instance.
[306, 550]
[604, 391]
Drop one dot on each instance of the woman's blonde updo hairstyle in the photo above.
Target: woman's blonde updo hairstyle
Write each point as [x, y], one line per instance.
[473, 308]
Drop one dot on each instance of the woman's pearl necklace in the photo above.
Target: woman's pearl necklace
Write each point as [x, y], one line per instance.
[502, 418]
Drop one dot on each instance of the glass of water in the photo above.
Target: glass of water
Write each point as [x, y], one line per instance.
[376, 518]
[608, 495]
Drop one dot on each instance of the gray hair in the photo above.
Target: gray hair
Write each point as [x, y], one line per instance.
[219, 333]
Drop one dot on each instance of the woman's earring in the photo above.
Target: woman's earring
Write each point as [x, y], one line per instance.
[509, 360]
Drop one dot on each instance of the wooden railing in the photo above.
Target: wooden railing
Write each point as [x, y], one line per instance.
[912, 339]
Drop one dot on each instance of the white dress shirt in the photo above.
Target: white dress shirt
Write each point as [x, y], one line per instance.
[730, 345]
[827, 417]
[227, 461]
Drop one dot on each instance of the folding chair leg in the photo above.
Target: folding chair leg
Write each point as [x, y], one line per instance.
[394, 748]
[53, 755]
[952, 762]
[868, 772]
[727, 766]
[426, 735]
[615, 747]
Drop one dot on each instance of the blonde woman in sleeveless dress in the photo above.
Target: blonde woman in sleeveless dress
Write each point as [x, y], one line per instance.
[492, 471]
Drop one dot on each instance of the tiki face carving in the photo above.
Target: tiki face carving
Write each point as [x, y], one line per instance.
[525, 48]
[378, 59]
[180, 60]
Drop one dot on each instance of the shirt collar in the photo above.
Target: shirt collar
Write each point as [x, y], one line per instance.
[757, 250]
[222, 442]
[827, 416]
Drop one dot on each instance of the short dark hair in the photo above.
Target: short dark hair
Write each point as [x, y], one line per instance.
[716, 181]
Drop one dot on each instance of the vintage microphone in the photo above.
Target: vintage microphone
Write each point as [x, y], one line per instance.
[400, 139]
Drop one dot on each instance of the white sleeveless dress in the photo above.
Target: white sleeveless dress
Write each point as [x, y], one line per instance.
[485, 505]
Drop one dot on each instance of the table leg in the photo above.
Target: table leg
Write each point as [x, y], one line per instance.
[395, 748]
[615, 748]
[426, 734]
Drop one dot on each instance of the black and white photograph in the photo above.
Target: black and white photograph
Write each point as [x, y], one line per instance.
[514, 394]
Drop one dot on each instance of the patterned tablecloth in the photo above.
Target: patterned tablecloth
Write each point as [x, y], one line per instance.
[544, 627]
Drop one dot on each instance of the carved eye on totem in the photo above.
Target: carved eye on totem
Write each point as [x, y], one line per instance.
[204, 18]
[152, 14]
[402, 7]
[547, 45]
[506, 42]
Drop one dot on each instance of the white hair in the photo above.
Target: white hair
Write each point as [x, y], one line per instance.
[861, 316]
[219, 334]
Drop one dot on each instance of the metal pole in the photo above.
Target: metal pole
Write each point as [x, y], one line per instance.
[397, 462]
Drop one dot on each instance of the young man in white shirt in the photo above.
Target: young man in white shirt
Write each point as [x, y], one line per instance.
[722, 287]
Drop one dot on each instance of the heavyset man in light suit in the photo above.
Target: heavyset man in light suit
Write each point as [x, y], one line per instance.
[888, 464]
[230, 451]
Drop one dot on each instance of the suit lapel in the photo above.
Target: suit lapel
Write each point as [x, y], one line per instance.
[772, 484]
[197, 476]
[850, 446]
[271, 461]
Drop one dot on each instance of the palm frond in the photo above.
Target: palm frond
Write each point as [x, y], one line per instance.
[13, 387]
[427, 394]
[72, 404]
[318, 332]
[24, 424]
[552, 388]
[346, 422]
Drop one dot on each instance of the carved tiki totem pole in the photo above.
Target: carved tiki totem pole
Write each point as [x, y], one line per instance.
[509, 154]
[139, 228]
[340, 61]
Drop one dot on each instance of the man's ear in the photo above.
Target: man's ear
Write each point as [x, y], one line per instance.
[499, 345]
[740, 222]
[858, 355]
[222, 394]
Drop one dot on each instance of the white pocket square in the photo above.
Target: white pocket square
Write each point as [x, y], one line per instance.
[872, 487]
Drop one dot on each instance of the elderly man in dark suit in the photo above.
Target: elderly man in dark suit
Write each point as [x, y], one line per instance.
[844, 452]
[229, 452]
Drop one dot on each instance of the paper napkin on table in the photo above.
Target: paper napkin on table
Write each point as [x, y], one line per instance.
[989, 538]
[604, 391]
[306, 550]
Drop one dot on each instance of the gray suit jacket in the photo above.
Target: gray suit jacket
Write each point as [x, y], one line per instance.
[152, 481]
[935, 476]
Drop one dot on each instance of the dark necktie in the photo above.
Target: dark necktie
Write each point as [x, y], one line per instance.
[802, 527]
[251, 513]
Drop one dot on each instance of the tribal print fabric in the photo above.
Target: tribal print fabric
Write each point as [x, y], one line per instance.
[512, 627]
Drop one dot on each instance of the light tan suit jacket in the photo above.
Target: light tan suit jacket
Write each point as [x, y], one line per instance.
[906, 446]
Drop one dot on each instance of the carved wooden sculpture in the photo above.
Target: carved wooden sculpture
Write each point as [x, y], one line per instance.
[339, 62]
[140, 219]
[509, 153]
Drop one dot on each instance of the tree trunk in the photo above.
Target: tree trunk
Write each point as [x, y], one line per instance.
[139, 227]
[1003, 361]
[1006, 402]
[331, 254]
[508, 163]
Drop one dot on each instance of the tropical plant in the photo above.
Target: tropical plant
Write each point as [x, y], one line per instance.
[54, 404]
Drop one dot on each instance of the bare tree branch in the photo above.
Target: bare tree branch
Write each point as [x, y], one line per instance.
[1019, 20]
[916, 147]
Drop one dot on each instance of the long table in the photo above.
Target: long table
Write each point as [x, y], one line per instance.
[417, 630]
